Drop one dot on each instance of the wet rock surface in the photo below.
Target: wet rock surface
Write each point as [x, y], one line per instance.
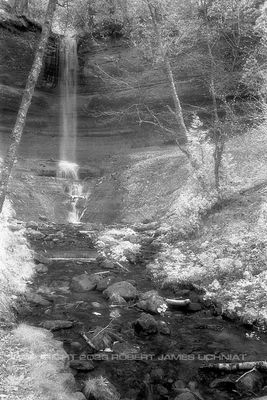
[83, 283]
[146, 324]
[56, 325]
[152, 302]
[123, 289]
[147, 352]
[82, 365]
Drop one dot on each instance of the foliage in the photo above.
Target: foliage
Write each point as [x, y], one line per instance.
[33, 365]
[199, 194]
[231, 267]
[100, 389]
[230, 28]
[16, 265]
[119, 245]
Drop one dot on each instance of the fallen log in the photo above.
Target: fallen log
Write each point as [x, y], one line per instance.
[244, 366]
[122, 266]
[77, 259]
[102, 273]
[178, 303]
[116, 336]
[88, 341]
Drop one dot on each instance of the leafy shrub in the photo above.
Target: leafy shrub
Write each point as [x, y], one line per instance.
[119, 245]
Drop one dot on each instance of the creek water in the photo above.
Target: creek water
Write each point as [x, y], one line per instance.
[194, 339]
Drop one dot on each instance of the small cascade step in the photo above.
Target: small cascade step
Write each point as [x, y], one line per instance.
[73, 255]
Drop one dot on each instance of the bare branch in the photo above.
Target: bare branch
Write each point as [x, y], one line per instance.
[118, 82]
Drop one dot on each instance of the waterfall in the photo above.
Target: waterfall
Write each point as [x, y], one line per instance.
[68, 169]
[69, 68]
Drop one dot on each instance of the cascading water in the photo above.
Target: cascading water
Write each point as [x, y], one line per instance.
[68, 168]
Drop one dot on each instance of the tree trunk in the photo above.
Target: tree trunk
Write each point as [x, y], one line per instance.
[25, 103]
[181, 139]
[218, 136]
[178, 108]
[183, 134]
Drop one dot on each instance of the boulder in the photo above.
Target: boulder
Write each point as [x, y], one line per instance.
[84, 283]
[37, 235]
[82, 365]
[32, 225]
[78, 396]
[152, 302]
[123, 289]
[157, 375]
[103, 284]
[163, 328]
[146, 324]
[125, 349]
[104, 263]
[41, 268]
[225, 383]
[59, 235]
[116, 299]
[14, 227]
[37, 299]
[251, 382]
[194, 307]
[43, 218]
[60, 286]
[95, 304]
[178, 385]
[55, 325]
[40, 258]
[162, 390]
[147, 295]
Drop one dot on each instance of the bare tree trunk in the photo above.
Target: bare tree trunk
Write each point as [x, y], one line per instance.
[25, 103]
[177, 104]
[181, 139]
[178, 109]
[219, 141]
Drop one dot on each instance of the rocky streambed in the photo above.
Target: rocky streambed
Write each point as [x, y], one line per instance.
[120, 333]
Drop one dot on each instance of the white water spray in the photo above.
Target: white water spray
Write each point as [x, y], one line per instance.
[67, 168]
[73, 188]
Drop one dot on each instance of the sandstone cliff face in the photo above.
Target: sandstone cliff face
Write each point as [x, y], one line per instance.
[113, 84]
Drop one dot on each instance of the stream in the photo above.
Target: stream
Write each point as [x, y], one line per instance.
[169, 358]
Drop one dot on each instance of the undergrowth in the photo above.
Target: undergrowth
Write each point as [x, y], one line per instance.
[200, 194]
[31, 360]
[119, 245]
[229, 265]
[16, 264]
[100, 389]
[33, 366]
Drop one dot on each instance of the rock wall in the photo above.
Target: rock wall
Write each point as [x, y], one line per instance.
[114, 82]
